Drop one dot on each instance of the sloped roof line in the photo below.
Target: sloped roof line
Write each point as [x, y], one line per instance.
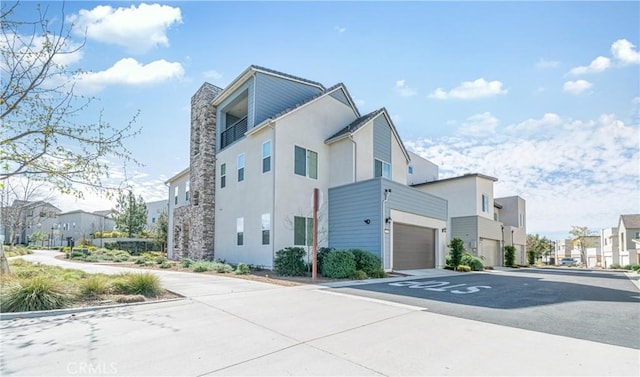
[631, 221]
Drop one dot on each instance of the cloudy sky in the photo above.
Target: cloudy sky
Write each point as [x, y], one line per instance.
[542, 95]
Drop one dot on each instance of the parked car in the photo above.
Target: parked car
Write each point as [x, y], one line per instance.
[568, 262]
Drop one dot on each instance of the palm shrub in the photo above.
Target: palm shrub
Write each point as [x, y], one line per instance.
[509, 256]
[455, 254]
[289, 262]
[472, 261]
[339, 264]
[36, 293]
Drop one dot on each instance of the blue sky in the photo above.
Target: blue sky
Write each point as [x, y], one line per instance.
[542, 95]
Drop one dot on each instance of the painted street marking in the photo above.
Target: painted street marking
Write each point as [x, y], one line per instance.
[441, 286]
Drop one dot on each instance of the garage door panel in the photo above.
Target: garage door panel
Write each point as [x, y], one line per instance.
[413, 247]
[489, 252]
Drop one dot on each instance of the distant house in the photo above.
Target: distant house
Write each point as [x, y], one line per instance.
[260, 148]
[24, 218]
[628, 230]
[154, 209]
[609, 246]
[77, 225]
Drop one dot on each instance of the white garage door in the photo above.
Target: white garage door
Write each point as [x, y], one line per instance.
[488, 251]
[413, 247]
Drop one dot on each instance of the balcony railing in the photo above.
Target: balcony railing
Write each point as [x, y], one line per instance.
[233, 133]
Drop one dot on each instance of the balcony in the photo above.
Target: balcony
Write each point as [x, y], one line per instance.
[233, 132]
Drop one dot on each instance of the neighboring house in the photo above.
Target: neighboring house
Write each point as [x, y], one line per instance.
[23, 218]
[154, 209]
[74, 226]
[609, 246]
[593, 252]
[512, 213]
[262, 145]
[563, 249]
[628, 230]
[485, 225]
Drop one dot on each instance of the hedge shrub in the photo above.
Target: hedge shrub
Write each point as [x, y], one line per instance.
[289, 262]
[339, 264]
[472, 261]
[366, 261]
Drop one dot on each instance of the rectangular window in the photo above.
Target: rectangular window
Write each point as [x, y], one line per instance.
[266, 156]
[410, 169]
[382, 169]
[521, 219]
[306, 163]
[240, 231]
[186, 191]
[241, 167]
[266, 228]
[303, 231]
[176, 192]
[485, 203]
[223, 175]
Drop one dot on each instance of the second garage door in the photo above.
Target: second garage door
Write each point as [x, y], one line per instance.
[413, 247]
[489, 251]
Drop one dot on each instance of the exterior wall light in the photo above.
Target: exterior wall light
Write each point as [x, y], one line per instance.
[367, 221]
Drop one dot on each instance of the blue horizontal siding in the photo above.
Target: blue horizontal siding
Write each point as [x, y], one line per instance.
[349, 206]
[275, 94]
[382, 139]
[410, 200]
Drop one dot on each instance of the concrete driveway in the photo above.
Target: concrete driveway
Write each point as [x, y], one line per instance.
[236, 327]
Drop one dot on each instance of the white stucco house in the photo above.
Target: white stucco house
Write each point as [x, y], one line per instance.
[609, 246]
[628, 230]
[262, 145]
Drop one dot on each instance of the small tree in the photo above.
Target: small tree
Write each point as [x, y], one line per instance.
[537, 247]
[130, 214]
[457, 250]
[509, 256]
[160, 231]
[38, 237]
[583, 238]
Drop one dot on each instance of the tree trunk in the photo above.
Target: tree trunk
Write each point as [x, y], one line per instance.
[4, 264]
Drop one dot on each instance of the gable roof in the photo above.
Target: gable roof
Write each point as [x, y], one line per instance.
[250, 71]
[630, 221]
[357, 124]
[287, 111]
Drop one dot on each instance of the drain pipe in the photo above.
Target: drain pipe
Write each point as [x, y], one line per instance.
[386, 221]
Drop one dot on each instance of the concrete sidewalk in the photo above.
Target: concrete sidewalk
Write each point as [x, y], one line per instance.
[231, 326]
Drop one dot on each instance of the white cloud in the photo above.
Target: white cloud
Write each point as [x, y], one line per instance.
[340, 29]
[576, 87]
[212, 75]
[137, 28]
[624, 51]
[598, 64]
[563, 175]
[404, 90]
[483, 124]
[129, 71]
[545, 64]
[470, 90]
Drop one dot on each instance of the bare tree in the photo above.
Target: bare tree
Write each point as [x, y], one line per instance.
[41, 136]
[583, 238]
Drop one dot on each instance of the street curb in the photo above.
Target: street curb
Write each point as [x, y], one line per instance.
[50, 313]
[635, 278]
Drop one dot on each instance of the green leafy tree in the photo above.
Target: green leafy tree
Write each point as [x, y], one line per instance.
[160, 231]
[583, 238]
[130, 214]
[42, 136]
[537, 247]
[38, 237]
[457, 250]
[509, 256]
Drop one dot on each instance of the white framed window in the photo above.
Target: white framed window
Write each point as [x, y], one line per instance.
[306, 162]
[266, 228]
[266, 156]
[410, 169]
[240, 165]
[240, 231]
[176, 192]
[186, 190]
[223, 175]
[382, 169]
[485, 203]
[303, 231]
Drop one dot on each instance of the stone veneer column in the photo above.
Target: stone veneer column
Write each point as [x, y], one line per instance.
[200, 220]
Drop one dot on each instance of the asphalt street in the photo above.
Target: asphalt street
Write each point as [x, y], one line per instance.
[593, 305]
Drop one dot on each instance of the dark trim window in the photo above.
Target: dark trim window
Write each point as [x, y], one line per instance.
[186, 190]
[240, 231]
[410, 169]
[266, 156]
[303, 231]
[306, 163]
[382, 169]
[485, 203]
[241, 167]
[266, 228]
[223, 175]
